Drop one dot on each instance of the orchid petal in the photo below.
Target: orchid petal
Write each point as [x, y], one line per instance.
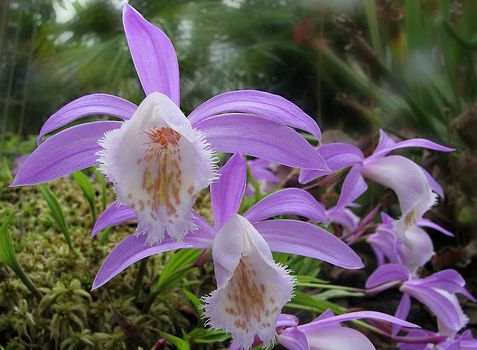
[442, 304]
[227, 192]
[153, 55]
[251, 288]
[285, 320]
[287, 201]
[448, 280]
[302, 238]
[343, 217]
[435, 186]
[337, 338]
[261, 138]
[335, 320]
[94, 104]
[293, 339]
[263, 104]
[415, 248]
[353, 187]
[387, 273]
[134, 248]
[163, 168]
[340, 155]
[402, 311]
[114, 214]
[388, 147]
[428, 223]
[63, 153]
[407, 180]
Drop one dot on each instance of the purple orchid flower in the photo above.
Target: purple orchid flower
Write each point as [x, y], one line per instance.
[252, 288]
[437, 292]
[326, 333]
[413, 185]
[157, 159]
[412, 249]
[262, 172]
[413, 341]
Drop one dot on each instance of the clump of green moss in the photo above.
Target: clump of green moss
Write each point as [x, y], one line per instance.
[69, 316]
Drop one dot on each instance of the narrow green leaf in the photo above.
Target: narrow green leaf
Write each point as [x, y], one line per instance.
[180, 343]
[178, 266]
[56, 212]
[208, 336]
[305, 302]
[194, 300]
[88, 191]
[8, 257]
[337, 293]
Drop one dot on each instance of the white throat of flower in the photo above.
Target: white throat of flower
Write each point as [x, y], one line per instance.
[252, 288]
[158, 164]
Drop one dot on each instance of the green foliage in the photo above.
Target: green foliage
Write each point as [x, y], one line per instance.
[56, 212]
[87, 188]
[8, 257]
[69, 316]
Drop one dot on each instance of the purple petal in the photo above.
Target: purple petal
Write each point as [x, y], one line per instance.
[384, 141]
[337, 338]
[428, 223]
[293, 339]
[330, 321]
[65, 152]
[302, 238]
[421, 143]
[402, 311]
[288, 201]
[114, 214]
[340, 155]
[95, 104]
[308, 175]
[435, 186]
[135, 248]
[153, 55]
[263, 104]
[227, 192]
[261, 138]
[285, 320]
[449, 280]
[353, 187]
[442, 304]
[387, 273]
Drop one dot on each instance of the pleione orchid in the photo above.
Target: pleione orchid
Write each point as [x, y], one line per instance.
[326, 332]
[251, 288]
[437, 292]
[411, 249]
[157, 159]
[413, 185]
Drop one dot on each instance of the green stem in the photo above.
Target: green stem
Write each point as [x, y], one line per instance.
[330, 286]
[139, 278]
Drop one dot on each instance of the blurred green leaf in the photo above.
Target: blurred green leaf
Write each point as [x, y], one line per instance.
[180, 343]
[86, 186]
[208, 336]
[56, 212]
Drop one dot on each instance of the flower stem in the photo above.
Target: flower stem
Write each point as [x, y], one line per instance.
[139, 278]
